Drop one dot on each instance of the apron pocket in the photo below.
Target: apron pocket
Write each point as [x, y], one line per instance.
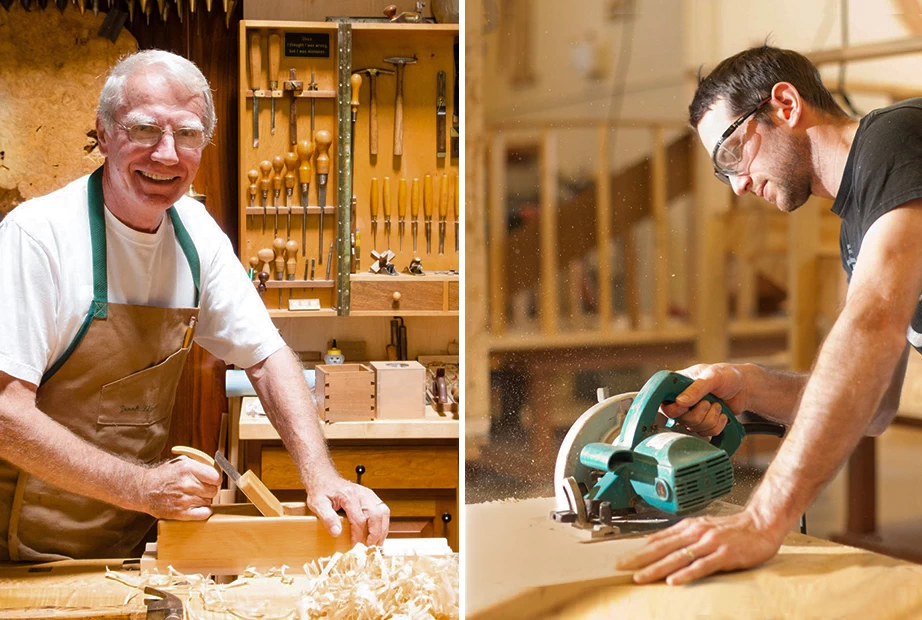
[134, 412]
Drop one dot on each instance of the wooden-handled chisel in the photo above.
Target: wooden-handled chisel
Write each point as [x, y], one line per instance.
[386, 199]
[427, 210]
[323, 140]
[455, 200]
[440, 115]
[254, 489]
[275, 50]
[305, 152]
[291, 167]
[265, 166]
[443, 211]
[414, 212]
[373, 208]
[401, 210]
[455, 116]
[255, 80]
[277, 164]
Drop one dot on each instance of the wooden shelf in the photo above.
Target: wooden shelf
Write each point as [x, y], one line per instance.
[297, 314]
[594, 338]
[433, 426]
[403, 28]
[405, 313]
[300, 284]
[295, 210]
[433, 277]
[281, 94]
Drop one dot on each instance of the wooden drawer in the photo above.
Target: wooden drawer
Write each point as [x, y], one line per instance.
[368, 295]
[454, 294]
[385, 467]
[423, 517]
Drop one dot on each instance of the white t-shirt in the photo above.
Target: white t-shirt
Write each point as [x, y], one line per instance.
[46, 281]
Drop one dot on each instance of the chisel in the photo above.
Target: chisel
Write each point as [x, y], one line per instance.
[455, 201]
[265, 166]
[279, 246]
[291, 247]
[427, 210]
[323, 139]
[277, 164]
[386, 199]
[443, 211]
[305, 151]
[291, 165]
[330, 259]
[374, 213]
[440, 115]
[275, 47]
[253, 177]
[255, 69]
[414, 212]
[254, 489]
[401, 210]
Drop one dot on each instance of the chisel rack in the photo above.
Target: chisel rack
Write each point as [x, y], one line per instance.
[311, 192]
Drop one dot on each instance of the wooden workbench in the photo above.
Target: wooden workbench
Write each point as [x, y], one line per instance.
[519, 564]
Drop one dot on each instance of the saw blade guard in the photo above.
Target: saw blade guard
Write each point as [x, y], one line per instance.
[662, 387]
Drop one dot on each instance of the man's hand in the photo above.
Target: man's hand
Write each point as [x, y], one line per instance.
[180, 488]
[364, 509]
[696, 548]
[725, 381]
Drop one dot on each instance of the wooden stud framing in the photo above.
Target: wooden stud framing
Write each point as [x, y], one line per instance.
[603, 229]
[661, 227]
[547, 248]
[497, 234]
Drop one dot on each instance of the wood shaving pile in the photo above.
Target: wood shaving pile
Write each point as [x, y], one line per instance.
[363, 583]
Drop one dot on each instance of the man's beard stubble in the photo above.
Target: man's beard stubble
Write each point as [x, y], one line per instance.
[794, 178]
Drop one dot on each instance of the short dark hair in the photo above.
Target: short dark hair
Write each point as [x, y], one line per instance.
[746, 79]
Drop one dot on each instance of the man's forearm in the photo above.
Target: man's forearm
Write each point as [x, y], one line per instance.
[773, 394]
[45, 449]
[852, 372]
[285, 397]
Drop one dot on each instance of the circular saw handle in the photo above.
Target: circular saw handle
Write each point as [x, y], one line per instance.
[665, 385]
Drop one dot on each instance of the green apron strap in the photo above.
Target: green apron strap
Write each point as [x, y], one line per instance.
[188, 248]
[99, 307]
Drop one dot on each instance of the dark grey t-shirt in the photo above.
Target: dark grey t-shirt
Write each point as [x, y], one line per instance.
[883, 171]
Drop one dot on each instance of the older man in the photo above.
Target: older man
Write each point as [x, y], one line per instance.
[105, 283]
[773, 129]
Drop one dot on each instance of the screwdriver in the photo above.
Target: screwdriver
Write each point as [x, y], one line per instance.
[277, 164]
[253, 176]
[323, 139]
[291, 164]
[305, 151]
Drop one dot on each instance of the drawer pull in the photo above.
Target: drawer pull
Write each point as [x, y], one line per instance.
[396, 297]
[446, 518]
[359, 470]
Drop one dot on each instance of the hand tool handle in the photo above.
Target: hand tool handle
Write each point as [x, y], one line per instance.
[356, 86]
[402, 199]
[374, 198]
[254, 264]
[372, 115]
[306, 152]
[427, 195]
[291, 247]
[398, 114]
[414, 200]
[386, 191]
[256, 61]
[290, 180]
[257, 492]
[253, 176]
[265, 255]
[279, 247]
[265, 166]
[323, 139]
[275, 49]
[664, 386]
[277, 164]
[443, 197]
[195, 455]
[456, 189]
[291, 161]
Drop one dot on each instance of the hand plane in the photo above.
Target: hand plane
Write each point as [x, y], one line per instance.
[622, 470]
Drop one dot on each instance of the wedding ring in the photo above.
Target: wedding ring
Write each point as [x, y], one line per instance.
[691, 554]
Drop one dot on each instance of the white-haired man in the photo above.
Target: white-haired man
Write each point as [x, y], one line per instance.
[103, 281]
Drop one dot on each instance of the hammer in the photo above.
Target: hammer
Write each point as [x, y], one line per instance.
[373, 73]
[400, 62]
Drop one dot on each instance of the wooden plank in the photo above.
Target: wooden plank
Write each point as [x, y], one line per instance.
[867, 51]
[603, 229]
[802, 265]
[236, 537]
[660, 228]
[526, 342]
[547, 249]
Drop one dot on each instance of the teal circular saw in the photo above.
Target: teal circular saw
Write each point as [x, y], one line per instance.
[622, 469]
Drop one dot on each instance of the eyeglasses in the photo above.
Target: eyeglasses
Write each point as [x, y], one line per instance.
[729, 154]
[143, 134]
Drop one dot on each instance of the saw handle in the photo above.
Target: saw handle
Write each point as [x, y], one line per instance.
[665, 386]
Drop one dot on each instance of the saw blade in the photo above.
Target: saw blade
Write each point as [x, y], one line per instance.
[600, 423]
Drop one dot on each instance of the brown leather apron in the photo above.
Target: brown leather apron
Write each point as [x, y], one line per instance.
[114, 387]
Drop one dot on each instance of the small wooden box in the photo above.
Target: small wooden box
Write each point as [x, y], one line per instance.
[401, 390]
[345, 392]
